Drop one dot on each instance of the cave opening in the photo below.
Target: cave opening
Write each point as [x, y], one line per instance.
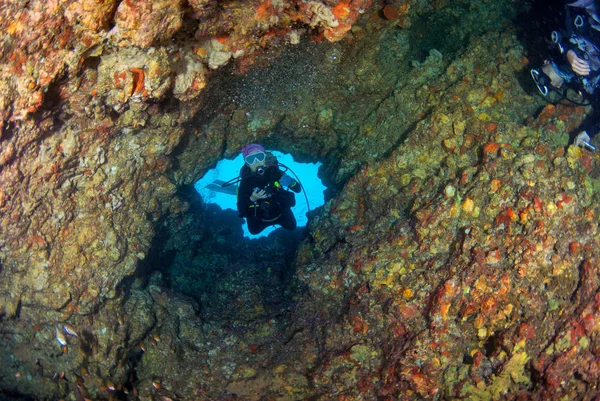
[237, 279]
[218, 187]
[206, 252]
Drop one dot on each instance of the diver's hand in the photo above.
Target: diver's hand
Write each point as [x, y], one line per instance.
[578, 65]
[256, 195]
[581, 138]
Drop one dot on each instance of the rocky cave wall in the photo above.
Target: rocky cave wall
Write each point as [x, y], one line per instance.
[457, 259]
[88, 83]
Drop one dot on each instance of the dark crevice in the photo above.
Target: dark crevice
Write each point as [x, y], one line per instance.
[111, 19]
[6, 395]
[411, 128]
[202, 254]
[492, 345]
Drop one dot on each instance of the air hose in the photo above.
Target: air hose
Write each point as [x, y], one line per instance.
[301, 186]
[235, 180]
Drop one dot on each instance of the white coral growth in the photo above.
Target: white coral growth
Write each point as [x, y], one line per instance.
[322, 15]
[217, 54]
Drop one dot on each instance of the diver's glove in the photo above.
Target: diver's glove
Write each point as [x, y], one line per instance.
[257, 195]
[581, 139]
[580, 66]
[290, 183]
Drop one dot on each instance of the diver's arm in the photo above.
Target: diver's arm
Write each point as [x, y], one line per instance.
[567, 41]
[584, 137]
[290, 183]
[579, 66]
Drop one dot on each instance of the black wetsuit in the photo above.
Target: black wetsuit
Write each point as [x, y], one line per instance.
[275, 209]
[582, 35]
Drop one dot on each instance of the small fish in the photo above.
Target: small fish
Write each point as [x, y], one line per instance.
[81, 389]
[110, 385]
[143, 347]
[156, 337]
[81, 393]
[70, 330]
[156, 385]
[60, 337]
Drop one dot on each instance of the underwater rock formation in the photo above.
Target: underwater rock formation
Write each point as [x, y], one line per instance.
[457, 257]
[72, 91]
[46, 43]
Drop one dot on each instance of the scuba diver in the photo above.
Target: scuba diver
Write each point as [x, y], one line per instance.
[579, 46]
[263, 197]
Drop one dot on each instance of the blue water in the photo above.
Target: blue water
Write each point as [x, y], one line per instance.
[228, 169]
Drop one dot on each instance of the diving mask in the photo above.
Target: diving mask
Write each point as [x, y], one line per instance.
[254, 158]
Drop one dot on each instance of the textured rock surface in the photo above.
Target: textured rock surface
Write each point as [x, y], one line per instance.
[75, 98]
[457, 258]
